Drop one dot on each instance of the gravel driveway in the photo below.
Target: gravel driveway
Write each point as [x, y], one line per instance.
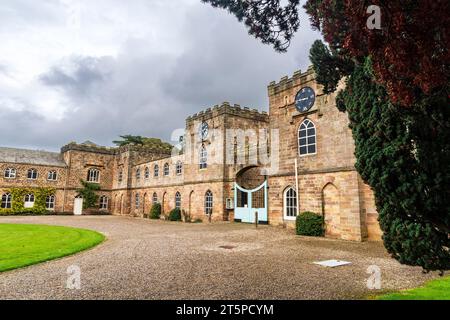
[143, 259]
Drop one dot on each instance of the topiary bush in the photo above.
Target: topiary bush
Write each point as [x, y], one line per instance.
[155, 212]
[309, 224]
[175, 215]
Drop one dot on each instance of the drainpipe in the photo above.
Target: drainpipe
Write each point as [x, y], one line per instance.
[69, 165]
[296, 187]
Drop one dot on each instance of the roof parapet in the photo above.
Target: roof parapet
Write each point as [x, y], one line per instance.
[227, 108]
[286, 82]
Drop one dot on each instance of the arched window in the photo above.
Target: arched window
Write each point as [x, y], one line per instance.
[52, 175]
[120, 177]
[208, 202]
[203, 158]
[179, 168]
[103, 203]
[166, 169]
[6, 201]
[137, 201]
[93, 175]
[307, 138]
[290, 203]
[10, 173]
[32, 174]
[29, 201]
[155, 198]
[29, 198]
[50, 202]
[156, 170]
[138, 174]
[146, 173]
[178, 200]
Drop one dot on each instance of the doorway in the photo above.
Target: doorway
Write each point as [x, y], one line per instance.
[78, 206]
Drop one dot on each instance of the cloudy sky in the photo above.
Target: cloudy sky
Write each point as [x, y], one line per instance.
[76, 70]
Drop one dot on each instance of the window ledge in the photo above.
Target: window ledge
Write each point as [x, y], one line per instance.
[307, 155]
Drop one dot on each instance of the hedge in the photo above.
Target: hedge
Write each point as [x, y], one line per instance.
[310, 224]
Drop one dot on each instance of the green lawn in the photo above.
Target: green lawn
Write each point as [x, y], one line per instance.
[438, 289]
[22, 245]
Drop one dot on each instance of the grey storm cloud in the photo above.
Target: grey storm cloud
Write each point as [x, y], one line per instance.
[88, 71]
[151, 92]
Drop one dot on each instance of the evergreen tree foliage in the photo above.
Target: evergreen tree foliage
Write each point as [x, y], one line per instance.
[144, 142]
[397, 100]
[410, 51]
[88, 192]
[129, 139]
[329, 68]
[404, 155]
[175, 215]
[155, 211]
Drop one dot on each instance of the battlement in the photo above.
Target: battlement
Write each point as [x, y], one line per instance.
[88, 147]
[227, 108]
[156, 147]
[286, 83]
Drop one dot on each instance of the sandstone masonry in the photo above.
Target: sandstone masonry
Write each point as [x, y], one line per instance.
[132, 178]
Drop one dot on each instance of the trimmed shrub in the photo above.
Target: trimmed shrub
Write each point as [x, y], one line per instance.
[310, 224]
[175, 215]
[155, 212]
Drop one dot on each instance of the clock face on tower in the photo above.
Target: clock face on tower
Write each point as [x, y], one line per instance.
[305, 99]
[203, 130]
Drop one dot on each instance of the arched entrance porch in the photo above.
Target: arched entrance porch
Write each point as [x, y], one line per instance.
[250, 196]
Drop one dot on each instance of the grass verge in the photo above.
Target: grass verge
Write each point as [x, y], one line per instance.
[22, 245]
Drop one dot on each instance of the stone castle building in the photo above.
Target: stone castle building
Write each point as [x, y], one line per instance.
[233, 163]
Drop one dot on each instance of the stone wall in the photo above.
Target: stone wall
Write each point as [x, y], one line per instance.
[21, 180]
[328, 182]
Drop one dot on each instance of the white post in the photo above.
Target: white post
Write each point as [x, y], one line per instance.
[296, 186]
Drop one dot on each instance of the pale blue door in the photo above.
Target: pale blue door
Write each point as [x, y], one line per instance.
[248, 202]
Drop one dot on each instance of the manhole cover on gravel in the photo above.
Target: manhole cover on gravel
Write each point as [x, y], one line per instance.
[227, 247]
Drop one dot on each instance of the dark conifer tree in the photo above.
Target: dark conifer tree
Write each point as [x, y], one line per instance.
[397, 100]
